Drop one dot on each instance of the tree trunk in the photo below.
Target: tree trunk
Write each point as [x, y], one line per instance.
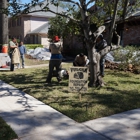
[3, 25]
[0, 26]
[94, 57]
[92, 66]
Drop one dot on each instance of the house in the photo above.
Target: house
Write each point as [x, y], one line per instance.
[32, 28]
[130, 30]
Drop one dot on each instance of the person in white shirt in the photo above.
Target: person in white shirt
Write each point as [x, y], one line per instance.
[56, 59]
[14, 53]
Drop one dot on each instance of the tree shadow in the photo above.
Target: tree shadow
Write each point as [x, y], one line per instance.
[29, 117]
[118, 74]
[113, 101]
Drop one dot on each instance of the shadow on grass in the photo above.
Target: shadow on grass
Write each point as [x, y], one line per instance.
[95, 105]
[118, 74]
[38, 115]
[129, 82]
[92, 105]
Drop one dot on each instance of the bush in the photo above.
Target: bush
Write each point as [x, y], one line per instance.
[33, 46]
[18, 40]
[128, 55]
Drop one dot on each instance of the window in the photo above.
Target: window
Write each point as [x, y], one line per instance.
[19, 21]
[13, 22]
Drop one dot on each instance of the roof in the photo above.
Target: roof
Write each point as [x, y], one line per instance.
[41, 30]
[45, 14]
[137, 13]
[134, 14]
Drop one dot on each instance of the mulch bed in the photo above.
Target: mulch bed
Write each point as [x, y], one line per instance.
[123, 67]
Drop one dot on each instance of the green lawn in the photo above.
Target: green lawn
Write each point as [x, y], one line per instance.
[6, 133]
[121, 93]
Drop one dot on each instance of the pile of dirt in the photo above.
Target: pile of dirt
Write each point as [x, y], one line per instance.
[123, 67]
[29, 56]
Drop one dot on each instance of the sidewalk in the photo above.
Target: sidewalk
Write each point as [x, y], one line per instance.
[32, 66]
[33, 120]
[122, 126]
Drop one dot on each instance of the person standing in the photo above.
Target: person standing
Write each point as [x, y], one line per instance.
[22, 50]
[100, 45]
[14, 53]
[55, 60]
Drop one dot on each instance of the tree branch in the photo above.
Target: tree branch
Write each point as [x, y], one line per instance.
[125, 8]
[99, 10]
[113, 22]
[48, 10]
[71, 1]
[111, 47]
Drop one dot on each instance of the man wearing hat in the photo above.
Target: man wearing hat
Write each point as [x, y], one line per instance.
[56, 58]
[101, 44]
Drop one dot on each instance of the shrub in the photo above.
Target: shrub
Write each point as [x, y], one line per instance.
[127, 55]
[33, 46]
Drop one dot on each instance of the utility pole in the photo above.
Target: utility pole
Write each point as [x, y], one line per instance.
[3, 24]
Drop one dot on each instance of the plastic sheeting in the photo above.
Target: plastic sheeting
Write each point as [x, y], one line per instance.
[109, 57]
[4, 59]
[39, 53]
[44, 54]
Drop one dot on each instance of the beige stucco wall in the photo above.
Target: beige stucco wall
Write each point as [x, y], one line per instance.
[37, 22]
[45, 42]
[27, 25]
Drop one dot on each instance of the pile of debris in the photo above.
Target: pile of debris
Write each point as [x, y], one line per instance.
[29, 56]
[4, 60]
[123, 67]
[44, 54]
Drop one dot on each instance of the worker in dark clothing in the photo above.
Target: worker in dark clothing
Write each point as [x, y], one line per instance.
[100, 45]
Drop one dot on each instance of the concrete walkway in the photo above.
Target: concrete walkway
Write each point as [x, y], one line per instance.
[32, 66]
[33, 120]
[26, 67]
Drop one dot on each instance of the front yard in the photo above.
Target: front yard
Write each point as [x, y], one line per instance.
[121, 93]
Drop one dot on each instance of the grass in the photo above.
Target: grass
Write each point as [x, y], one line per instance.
[121, 93]
[29, 62]
[6, 133]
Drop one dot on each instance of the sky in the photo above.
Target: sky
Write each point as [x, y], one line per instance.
[27, 1]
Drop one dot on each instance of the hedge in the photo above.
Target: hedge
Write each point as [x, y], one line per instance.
[33, 46]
